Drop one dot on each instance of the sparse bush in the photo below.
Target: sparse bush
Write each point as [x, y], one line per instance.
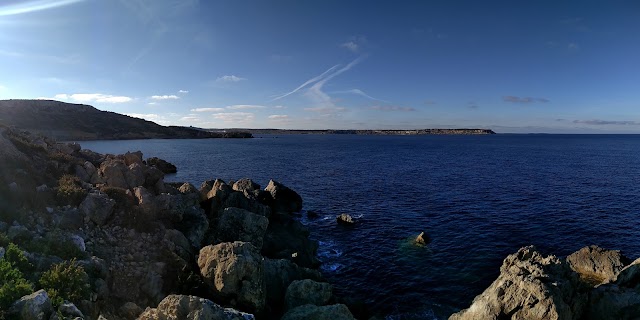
[55, 243]
[70, 191]
[65, 281]
[4, 240]
[13, 285]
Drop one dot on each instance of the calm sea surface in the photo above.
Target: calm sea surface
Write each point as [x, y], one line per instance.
[478, 197]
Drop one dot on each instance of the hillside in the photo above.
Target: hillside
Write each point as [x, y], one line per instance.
[67, 121]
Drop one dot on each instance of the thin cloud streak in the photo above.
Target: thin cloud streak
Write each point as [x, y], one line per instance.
[33, 6]
[310, 81]
[515, 99]
[360, 93]
[607, 122]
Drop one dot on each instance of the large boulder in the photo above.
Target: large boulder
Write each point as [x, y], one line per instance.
[597, 265]
[279, 274]
[191, 308]
[133, 157]
[301, 292]
[530, 286]
[283, 199]
[36, 306]
[135, 175]
[235, 273]
[238, 224]
[618, 299]
[313, 312]
[97, 207]
[113, 171]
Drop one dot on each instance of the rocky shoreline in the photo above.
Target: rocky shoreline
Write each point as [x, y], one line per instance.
[138, 247]
[93, 236]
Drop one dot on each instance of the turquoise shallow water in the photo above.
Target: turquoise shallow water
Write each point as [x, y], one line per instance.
[478, 197]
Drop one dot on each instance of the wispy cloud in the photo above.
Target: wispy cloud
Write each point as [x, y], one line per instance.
[32, 6]
[430, 103]
[319, 97]
[473, 105]
[165, 97]
[183, 91]
[244, 106]
[230, 78]
[70, 59]
[354, 44]
[234, 117]
[306, 83]
[207, 110]
[607, 122]
[514, 99]
[278, 116]
[573, 46]
[92, 97]
[326, 109]
[393, 108]
[150, 117]
[360, 93]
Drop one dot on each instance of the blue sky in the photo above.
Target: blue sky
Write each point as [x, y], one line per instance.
[512, 66]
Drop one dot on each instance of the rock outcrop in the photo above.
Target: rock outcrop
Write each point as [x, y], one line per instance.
[242, 225]
[301, 292]
[593, 283]
[530, 286]
[36, 306]
[345, 219]
[235, 273]
[191, 308]
[283, 199]
[597, 265]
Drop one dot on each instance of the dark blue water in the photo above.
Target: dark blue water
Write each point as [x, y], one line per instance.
[478, 197]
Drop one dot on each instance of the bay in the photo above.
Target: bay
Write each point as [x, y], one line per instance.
[479, 198]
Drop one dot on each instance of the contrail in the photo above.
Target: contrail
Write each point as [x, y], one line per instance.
[312, 80]
[32, 6]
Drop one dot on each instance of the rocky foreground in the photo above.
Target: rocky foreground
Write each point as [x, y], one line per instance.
[592, 283]
[93, 236]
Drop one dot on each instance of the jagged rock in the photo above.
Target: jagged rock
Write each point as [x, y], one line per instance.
[246, 184]
[345, 219]
[152, 176]
[235, 273]
[597, 265]
[278, 274]
[36, 306]
[81, 173]
[162, 165]
[301, 292]
[69, 310]
[112, 172]
[422, 239]
[133, 157]
[629, 276]
[71, 218]
[144, 196]
[78, 241]
[194, 225]
[186, 188]
[283, 199]
[135, 175]
[191, 308]
[19, 232]
[239, 200]
[97, 207]
[312, 312]
[287, 238]
[530, 286]
[242, 225]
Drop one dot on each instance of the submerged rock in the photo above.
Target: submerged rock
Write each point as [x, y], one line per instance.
[345, 219]
[422, 239]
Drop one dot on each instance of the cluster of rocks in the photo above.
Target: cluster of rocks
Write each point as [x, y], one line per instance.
[592, 283]
[157, 250]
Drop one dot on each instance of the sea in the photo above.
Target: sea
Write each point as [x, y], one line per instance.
[478, 198]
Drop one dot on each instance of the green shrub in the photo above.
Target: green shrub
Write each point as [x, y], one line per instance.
[65, 281]
[13, 285]
[4, 240]
[70, 190]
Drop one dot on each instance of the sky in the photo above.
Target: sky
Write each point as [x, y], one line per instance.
[510, 66]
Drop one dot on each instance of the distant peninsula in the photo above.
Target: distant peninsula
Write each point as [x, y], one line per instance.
[376, 132]
[68, 121]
